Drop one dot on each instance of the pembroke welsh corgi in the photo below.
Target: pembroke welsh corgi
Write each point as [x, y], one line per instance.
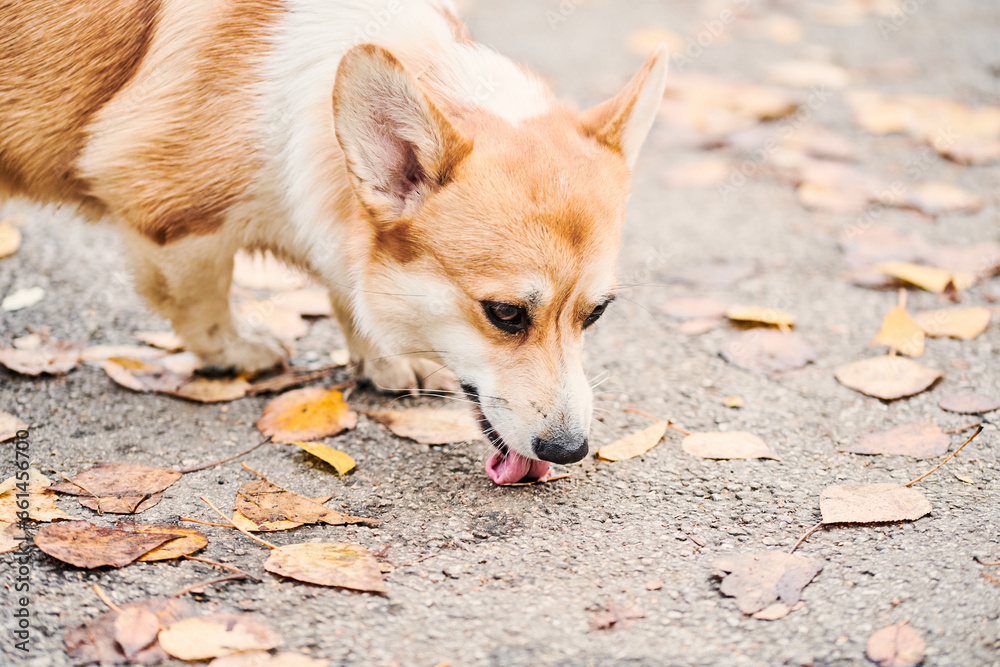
[465, 221]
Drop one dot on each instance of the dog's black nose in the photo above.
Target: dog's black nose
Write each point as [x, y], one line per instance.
[561, 449]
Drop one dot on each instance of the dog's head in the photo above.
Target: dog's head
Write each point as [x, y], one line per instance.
[491, 244]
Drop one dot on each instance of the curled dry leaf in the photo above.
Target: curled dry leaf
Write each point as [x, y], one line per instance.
[887, 377]
[10, 239]
[901, 333]
[968, 403]
[52, 359]
[9, 426]
[692, 309]
[872, 503]
[921, 440]
[83, 544]
[727, 445]
[267, 505]
[211, 390]
[97, 641]
[430, 426]
[186, 540]
[768, 352]
[341, 461]
[762, 315]
[121, 504]
[328, 564]
[962, 323]
[135, 629]
[215, 635]
[635, 444]
[929, 278]
[761, 579]
[306, 414]
[119, 480]
[896, 646]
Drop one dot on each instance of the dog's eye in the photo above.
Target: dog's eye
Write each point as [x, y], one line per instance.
[595, 315]
[506, 316]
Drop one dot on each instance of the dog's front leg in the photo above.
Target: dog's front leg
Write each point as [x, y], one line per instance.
[187, 281]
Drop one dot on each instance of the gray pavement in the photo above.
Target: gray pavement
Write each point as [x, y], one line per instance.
[517, 574]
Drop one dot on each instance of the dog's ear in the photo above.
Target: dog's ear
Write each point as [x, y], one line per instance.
[398, 146]
[623, 122]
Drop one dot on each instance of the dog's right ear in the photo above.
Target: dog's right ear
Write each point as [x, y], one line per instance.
[398, 146]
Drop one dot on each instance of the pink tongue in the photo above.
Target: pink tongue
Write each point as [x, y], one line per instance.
[514, 468]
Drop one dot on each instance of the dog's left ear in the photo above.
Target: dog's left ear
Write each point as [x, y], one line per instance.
[623, 122]
[398, 146]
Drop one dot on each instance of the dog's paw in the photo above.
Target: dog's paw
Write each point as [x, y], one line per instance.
[409, 374]
[253, 352]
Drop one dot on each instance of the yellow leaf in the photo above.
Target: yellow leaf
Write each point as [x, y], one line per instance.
[635, 444]
[341, 462]
[772, 316]
[929, 278]
[901, 333]
[306, 414]
[328, 564]
[214, 635]
[963, 323]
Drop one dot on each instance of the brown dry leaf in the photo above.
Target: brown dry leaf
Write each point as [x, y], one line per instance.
[308, 302]
[121, 504]
[808, 74]
[9, 426]
[263, 526]
[306, 414]
[164, 340]
[41, 500]
[896, 646]
[53, 359]
[135, 630]
[214, 635]
[703, 173]
[105, 352]
[901, 333]
[968, 403]
[635, 444]
[691, 309]
[921, 440]
[328, 564]
[430, 426]
[187, 540]
[760, 579]
[265, 659]
[261, 271]
[264, 503]
[211, 390]
[144, 376]
[871, 503]
[962, 323]
[769, 352]
[341, 461]
[887, 377]
[936, 198]
[727, 445]
[12, 537]
[95, 642]
[83, 544]
[760, 314]
[10, 239]
[285, 323]
[119, 480]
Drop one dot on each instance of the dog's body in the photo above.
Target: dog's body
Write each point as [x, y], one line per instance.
[457, 212]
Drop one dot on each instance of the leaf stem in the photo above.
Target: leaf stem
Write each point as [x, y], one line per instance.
[224, 518]
[979, 430]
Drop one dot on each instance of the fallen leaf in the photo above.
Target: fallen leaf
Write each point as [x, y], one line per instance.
[12, 537]
[95, 642]
[41, 501]
[265, 503]
[936, 198]
[120, 480]
[308, 302]
[9, 426]
[22, 298]
[214, 635]
[962, 323]
[654, 585]
[930, 278]
[105, 352]
[921, 440]
[341, 462]
[768, 352]
[10, 239]
[121, 504]
[211, 390]
[144, 376]
[970, 151]
[263, 526]
[733, 402]
[901, 333]
[34, 478]
[759, 579]
[164, 340]
[808, 74]
[52, 359]
[727, 445]
[871, 503]
[703, 173]
[430, 426]
[186, 540]
[968, 403]
[85, 545]
[692, 309]
[261, 271]
[887, 378]
[328, 564]
[292, 377]
[700, 325]
[135, 629]
[896, 646]
[306, 414]
[760, 314]
[265, 659]
[634, 444]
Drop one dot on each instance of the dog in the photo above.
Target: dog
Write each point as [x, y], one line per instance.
[465, 222]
